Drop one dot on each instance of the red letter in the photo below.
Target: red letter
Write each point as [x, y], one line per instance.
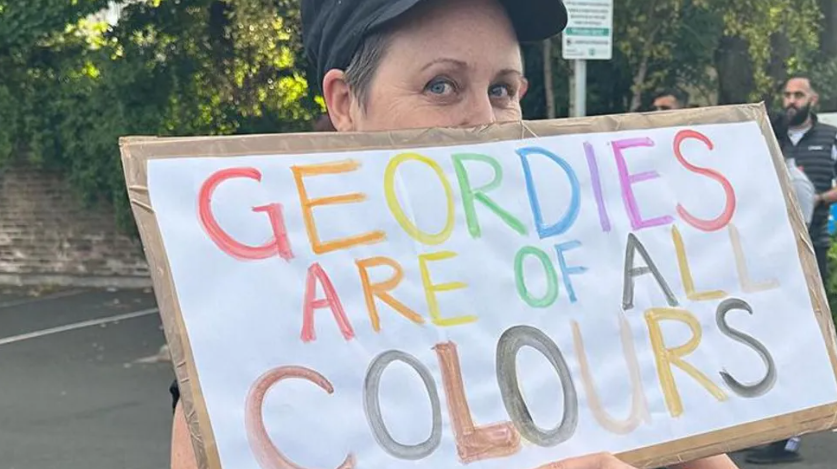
[278, 245]
[729, 209]
[266, 453]
[315, 272]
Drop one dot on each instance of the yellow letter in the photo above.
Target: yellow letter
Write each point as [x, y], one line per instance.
[398, 213]
[667, 357]
[686, 273]
[430, 290]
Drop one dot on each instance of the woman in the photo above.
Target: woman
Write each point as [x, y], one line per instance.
[398, 64]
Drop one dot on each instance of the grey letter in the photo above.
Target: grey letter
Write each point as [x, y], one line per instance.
[766, 384]
[507, 348]
[632, 272]
[372, 406]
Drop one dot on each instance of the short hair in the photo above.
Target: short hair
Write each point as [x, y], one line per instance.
[364, 64]
[680, 96]
[802, 76]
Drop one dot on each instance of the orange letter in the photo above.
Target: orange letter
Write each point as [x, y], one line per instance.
[430, 290]
[686, 272]
[315, 272]
[472, 443]
[278, 245]
[667, 357]
[308, 205]
[266, 453]
[371, 290]
[639, 404]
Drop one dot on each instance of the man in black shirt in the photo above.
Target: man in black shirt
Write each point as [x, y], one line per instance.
[811, 144]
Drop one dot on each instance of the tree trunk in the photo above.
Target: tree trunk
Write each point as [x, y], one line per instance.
[781, 52]
[828, 44]
[828, 32]
[735, 72]
[639, 79]
[549, 90]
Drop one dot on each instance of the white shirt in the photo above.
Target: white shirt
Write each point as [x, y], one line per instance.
[803, 189]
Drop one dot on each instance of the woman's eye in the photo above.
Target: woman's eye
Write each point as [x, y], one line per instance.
[500, 91]
[440, 87]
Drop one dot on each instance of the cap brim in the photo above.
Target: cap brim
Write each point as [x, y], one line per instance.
[533, 20]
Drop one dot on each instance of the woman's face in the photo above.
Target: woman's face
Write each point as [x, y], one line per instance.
[452, 63]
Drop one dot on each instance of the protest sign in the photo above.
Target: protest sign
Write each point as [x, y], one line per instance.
[499, 297]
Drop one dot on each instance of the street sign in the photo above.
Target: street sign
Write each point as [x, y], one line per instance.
[589, 32]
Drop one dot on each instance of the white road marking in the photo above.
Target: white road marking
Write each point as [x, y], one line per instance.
[78, 325]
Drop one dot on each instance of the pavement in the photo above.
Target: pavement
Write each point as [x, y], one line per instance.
[84, 384]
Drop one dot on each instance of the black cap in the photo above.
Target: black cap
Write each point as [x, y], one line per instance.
[332, 30]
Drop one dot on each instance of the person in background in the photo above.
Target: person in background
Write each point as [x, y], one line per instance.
[812, 145]
[803, 188]
[669, 100]
[386, 65]
[809, 148]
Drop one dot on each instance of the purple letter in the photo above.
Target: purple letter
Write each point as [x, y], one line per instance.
[629, 179]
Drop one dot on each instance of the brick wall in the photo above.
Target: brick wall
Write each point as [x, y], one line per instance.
[48, 237]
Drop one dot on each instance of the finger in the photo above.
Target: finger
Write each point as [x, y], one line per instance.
[593, 461]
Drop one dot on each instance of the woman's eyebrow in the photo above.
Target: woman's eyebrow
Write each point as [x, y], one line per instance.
[509, 71]
[444, 60]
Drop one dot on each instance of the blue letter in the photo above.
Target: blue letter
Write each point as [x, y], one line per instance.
[567, 271]
[572, 213]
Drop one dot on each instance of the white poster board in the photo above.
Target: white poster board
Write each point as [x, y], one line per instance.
[493, 303]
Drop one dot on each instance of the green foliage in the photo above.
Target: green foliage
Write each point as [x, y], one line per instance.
[71, 85]
[684, 44]
[759, 22]
[831, 281]
[203, 67]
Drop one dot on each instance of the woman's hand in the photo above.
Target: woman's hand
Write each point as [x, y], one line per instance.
[593, 461]
[608, 461]
[716, 462]
[182, 453]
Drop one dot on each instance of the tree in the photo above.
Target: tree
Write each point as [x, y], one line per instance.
[719, 51]
[204, 67]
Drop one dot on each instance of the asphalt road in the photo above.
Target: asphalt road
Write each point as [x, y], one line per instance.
[72, 394]
[82, 386]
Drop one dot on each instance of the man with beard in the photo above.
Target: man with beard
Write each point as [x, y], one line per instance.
[811, 145]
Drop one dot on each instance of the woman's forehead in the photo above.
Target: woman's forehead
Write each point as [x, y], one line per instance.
[456, 18]
[467, 31]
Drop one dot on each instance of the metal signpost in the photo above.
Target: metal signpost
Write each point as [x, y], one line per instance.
[588, 36]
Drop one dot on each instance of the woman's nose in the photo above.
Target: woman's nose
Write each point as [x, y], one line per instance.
[478, 111]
